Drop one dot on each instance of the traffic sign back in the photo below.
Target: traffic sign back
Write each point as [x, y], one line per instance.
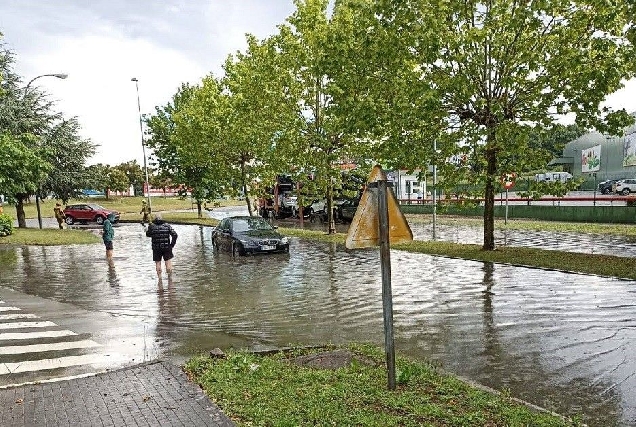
[364, 230]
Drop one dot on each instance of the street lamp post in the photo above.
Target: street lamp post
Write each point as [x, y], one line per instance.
[26, 89]
[143, 141]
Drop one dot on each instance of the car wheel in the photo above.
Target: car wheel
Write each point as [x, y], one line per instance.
[236, 249]
[99, 220]
[69, 220]
[605, 191]
[625, 192]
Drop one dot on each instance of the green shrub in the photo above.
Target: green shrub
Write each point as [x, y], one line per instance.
[6, 225]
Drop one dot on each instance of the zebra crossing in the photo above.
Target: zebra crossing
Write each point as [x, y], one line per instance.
[36, 350]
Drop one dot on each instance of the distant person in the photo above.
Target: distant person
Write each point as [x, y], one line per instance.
[145, 210]
[108, 233]
[163, 240]
[59, 215]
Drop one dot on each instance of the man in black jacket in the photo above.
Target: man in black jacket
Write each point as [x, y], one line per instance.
[163, 240]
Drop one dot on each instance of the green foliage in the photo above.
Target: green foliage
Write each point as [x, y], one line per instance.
[6, 225]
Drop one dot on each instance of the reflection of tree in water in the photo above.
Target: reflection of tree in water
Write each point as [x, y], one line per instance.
[578, 393]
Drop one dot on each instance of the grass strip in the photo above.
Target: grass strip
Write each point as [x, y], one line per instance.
[49, 237]
[267, 390]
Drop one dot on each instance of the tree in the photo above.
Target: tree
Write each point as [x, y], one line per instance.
[318, 127]
[27, 118]
[486, 73]
[67, 153]
[134, 175]
[21, 169]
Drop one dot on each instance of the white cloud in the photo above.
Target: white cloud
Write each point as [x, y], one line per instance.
[99, 90]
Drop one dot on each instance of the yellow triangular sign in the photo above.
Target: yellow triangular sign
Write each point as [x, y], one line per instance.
[364, 230]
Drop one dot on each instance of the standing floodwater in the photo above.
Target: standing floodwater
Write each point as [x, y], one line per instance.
[562, 341]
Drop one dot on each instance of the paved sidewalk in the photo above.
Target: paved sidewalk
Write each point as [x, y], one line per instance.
[152, 394]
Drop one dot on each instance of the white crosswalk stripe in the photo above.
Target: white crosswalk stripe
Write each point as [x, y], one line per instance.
[39, 350]
[17, 316]
[22, 325]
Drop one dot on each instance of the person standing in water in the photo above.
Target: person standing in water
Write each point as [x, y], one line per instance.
[108, 233]
[59, 215]
[145, 210]
[163, 240]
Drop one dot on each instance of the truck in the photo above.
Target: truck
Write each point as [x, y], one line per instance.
[553, 177]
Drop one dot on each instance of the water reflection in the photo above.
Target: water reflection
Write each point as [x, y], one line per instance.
[559, 340]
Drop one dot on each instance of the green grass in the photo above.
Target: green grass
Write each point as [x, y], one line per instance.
[531, 225]
[49, 237]
[129, 207]
[268, 390]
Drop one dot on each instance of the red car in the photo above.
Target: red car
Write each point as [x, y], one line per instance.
[87, 212]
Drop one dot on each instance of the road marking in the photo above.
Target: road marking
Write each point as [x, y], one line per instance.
[46, 364]
[17, 316]
[32, 335]
[21, 325]
[9, 309]
[39, 348]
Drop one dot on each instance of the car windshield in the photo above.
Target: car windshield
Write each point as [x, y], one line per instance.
[96, 207]
[250, 224]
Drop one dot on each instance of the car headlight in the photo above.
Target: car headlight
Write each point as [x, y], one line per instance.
[248, 243]
[284, 240]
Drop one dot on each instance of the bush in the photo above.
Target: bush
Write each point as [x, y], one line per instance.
[6, 225]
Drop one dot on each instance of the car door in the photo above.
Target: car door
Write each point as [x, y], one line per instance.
[83, 213]
[223, 237]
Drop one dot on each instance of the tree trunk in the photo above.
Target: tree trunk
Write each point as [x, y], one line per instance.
[330, 219]
[19, 211]
[489, 196]
[199, 211]
[250, 209]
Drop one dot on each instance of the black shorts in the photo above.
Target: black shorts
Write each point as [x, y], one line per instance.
[166, 254]
[109, 245]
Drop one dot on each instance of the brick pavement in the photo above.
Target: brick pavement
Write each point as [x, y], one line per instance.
[151, 394]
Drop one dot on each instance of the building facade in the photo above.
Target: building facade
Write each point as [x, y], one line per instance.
[595, 156]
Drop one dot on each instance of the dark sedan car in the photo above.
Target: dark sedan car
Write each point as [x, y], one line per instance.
[87, 212]
[243, 235]
[607, 186]
[347, 209]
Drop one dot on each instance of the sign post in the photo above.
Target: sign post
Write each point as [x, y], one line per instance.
[378, 222]
[387, 294]
[508, 180]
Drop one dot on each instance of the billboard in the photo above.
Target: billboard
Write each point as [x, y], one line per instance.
[591, 159]
[629, 150]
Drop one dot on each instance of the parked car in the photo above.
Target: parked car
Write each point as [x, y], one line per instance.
[243, 235]
[607, 186]
[626, 186]
[87, 212]
[347, 210]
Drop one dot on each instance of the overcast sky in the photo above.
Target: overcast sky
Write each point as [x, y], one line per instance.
[102, 44]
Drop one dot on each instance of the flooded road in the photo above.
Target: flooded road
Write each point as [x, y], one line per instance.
[560, 340]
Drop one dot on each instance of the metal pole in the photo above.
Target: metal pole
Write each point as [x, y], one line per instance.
[387, 297]
[434, 187]
[506, 217]
[26, 89]
[143, 141]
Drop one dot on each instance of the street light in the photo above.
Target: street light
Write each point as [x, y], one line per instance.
[26, 89]
[143, 142]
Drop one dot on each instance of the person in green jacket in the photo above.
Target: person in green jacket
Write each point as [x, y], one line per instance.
[108, 233]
